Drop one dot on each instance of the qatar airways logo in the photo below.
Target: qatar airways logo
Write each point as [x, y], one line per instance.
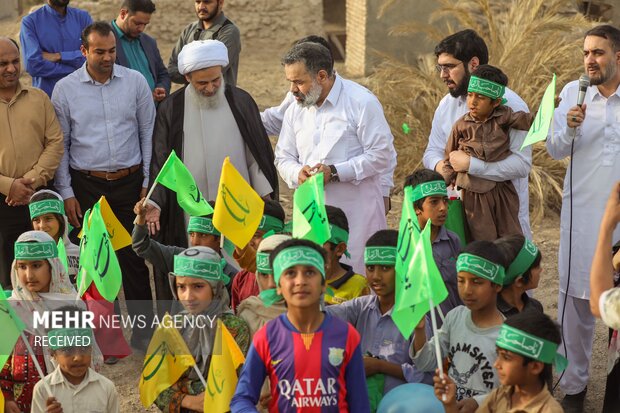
[309, 392]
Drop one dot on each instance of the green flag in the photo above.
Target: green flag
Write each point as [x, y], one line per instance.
[175, 176]
[62, 254]
[309, 215]
[11, 327]
[540, 127]
[417, 275]
[98, 257]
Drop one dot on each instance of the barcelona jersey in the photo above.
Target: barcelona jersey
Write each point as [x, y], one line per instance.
[320, 372]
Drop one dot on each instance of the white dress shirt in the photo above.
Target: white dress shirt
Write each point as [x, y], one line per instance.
[349, 131]
[596, 167]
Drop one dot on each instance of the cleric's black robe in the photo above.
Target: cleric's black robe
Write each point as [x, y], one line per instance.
[168, 135]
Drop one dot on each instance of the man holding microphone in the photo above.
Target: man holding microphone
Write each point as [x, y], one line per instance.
[588, 133]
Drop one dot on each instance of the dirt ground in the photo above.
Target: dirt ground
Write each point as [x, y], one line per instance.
[261, 75]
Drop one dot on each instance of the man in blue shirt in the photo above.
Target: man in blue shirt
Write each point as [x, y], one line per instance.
[107, 114]
[137, 50]
[50, 39]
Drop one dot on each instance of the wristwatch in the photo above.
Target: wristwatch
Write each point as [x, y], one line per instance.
[333, 177]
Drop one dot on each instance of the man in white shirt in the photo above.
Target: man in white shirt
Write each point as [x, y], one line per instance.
[590, 136]
[457, 56]
[336, 127]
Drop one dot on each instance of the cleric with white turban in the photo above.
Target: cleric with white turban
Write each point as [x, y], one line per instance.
[202, 54]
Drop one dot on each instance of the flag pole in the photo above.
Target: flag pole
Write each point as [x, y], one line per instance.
[146, 200]
[36, 364]
[202, 379]
[436, 340]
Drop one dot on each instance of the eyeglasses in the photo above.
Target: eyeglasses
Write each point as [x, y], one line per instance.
[447, 68]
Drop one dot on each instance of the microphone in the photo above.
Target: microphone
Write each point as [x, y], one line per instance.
[584, 82]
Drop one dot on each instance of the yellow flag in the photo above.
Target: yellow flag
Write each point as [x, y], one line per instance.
[222, 379]
[166, 359]
[1, 402]
[238, 208]
[119, 236]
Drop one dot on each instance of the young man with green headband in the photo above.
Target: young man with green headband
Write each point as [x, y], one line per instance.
[492, 208]
[523, 273]
[430, 204]
[386, 352]
[313, 360]
[342, 282]
[467, 337]
[527, 348]
[75, 386]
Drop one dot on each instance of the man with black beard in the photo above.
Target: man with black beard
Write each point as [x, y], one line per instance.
[457, 56]
[212, 24]
[205, 122]
[50, 39]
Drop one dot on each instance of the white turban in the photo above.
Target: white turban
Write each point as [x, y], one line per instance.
[202, 54]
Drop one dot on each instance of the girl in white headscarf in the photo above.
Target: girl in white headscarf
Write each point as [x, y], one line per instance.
[200, 286]
[47, 214]
[40, 283]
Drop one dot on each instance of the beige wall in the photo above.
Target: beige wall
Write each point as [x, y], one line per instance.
[367, 34]
[9, 9]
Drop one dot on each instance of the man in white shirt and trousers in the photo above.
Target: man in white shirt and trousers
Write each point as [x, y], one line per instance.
[594, 129]
[457, 56]
[336, 127]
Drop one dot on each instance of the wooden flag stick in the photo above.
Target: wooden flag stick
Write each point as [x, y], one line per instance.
[202, 379]
[146, 200]
[436, 340]
[36, 364]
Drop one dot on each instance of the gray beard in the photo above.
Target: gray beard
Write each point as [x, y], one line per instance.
[312, 96]
[206, 102]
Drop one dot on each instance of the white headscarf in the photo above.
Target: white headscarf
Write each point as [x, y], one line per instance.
[61, 293]
[202, 54]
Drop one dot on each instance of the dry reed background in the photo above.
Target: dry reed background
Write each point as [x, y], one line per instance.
[528, 39]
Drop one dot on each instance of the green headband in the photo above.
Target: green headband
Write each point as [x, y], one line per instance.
[380, 255]
[47, 206]
[339, 235]
[297, 255]
[523, 261]
[480, 267]
[486, 87]
[269, 223]
[197, 268]
[431, 188]
[262, 263]
[202, 225]
[528, 345]
[35, 250]
[69, 337]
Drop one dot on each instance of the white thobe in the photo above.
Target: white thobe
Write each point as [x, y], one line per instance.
[596, 167]
[209, 136]
[349, 131]
[515, 168]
